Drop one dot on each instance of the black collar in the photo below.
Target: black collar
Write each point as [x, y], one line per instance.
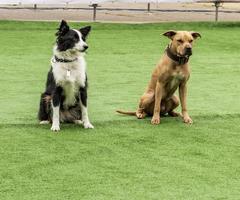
[63, 60]
[181, 60]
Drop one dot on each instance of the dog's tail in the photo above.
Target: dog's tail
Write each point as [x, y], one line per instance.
[126, 112]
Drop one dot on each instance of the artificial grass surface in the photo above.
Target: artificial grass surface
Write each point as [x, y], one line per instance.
[122, 158]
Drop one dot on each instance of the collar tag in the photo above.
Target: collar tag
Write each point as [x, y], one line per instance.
[68, 73]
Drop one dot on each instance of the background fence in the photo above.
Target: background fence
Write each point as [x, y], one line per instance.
[100, 5]
[84, 1]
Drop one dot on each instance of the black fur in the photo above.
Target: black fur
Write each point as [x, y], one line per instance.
[56, 97]
[83, 94]
[44, 108]
[85, 31]
[63, 28]
[67, 40]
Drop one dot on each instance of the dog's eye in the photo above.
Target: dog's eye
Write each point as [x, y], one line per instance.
[190, 41]
[180, 41]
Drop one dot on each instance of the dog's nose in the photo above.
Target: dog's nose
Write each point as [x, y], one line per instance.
[85, 47]
[189, 50]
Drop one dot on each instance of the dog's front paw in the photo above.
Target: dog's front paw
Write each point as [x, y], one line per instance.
[187, 120]
[55, 127]
[88, 125]
[155, 120]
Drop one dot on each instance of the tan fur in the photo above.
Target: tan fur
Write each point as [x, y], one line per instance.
[126, 112]
[47, 99]
[166, 78]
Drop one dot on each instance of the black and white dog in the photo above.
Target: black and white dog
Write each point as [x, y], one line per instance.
[65, 97]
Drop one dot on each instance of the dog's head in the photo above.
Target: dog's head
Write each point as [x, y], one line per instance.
[72, 39]
[182, 41]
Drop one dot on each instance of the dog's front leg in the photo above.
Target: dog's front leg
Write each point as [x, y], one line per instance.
[56, 109]
[83, 104]
[157, 105]
[183, 99]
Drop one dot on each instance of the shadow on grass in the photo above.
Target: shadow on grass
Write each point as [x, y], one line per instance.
[127, 121]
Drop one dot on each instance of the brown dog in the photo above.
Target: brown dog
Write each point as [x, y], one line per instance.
[171, 72]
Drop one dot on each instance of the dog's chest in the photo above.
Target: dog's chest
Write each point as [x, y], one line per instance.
[177, 76]
[175, 80]
[70, 76]
[69, 73]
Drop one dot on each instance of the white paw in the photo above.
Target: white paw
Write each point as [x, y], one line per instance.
[88, 125]
[55, 127]
[78, 122]
[44, 122]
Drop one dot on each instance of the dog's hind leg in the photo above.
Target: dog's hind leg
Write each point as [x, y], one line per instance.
[44, 112]
[71, 115]
[144, 103]
[170, 105]
[78, 122]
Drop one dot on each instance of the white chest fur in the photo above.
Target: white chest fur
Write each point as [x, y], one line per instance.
[70, 76]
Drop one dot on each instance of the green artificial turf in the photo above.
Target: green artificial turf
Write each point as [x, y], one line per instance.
[122, 158]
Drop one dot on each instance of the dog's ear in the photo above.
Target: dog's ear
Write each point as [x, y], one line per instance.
[85, 31]
[170, 34]
[63, 28]
[195, 35]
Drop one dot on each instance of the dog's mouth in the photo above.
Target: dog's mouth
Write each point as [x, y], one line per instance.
[84, 49]
[188, 52]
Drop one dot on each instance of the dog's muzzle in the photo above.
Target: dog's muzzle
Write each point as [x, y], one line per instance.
[188, 51]
[84, 48]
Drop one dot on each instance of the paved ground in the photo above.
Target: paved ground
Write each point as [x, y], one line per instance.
[124, 12]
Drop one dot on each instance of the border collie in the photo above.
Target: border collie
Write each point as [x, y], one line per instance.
[65, 96]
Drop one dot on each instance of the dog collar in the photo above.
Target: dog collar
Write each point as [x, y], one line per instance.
[181, 60]
[56, 59]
